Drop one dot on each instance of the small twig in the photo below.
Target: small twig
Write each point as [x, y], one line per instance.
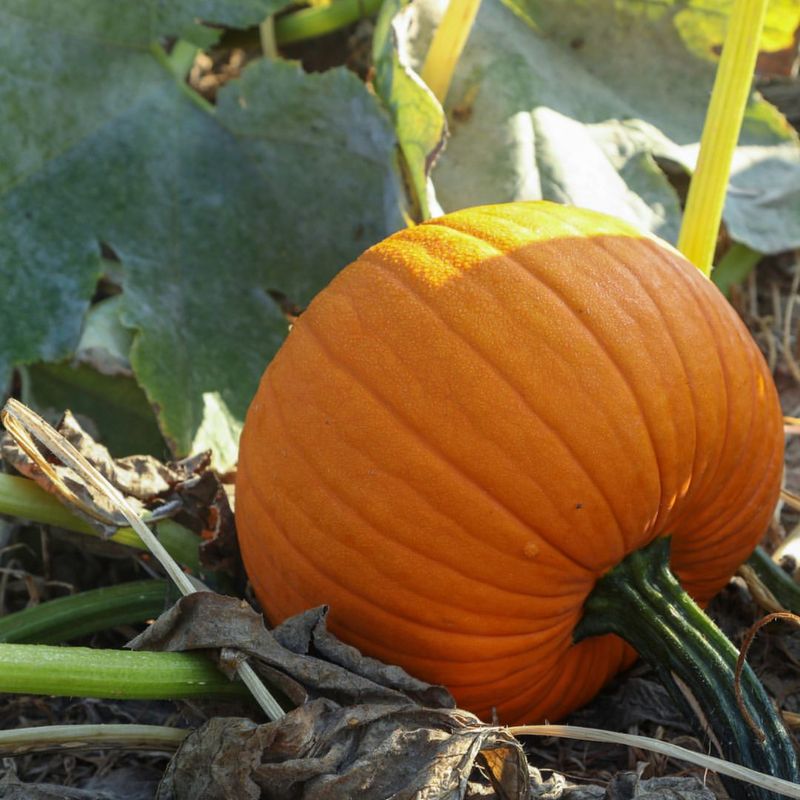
[752, 294]
[718, 765]
[758, 589]
[791, 719]
[740, 662]
[790, 546]
[792, 500]
[23, 424]
[90, 737]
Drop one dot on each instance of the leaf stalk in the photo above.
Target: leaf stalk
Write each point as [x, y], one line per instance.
[120, 674]
[23, 498]
[707, 190]
[447, 45]
[47, 738]
[82, 614]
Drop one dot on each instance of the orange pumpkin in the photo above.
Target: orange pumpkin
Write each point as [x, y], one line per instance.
[480, 417]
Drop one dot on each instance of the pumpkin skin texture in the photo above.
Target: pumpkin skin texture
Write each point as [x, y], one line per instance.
[480, 417]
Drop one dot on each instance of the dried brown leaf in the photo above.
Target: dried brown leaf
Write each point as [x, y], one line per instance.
[300, 656]
[322, 751]
[360, 729]
[186, 490]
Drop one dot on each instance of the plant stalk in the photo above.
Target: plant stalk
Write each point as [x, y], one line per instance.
[82, 614]
[709, 183]
[21, 497]
[641, 601]
[447, 45]
[734, 267]
[309, 23]
[87, 672]
[47, 738]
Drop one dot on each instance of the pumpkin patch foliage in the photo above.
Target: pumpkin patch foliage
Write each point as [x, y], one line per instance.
[374, 315]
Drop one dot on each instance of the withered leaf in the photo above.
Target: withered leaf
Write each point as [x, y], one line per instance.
[185, 490]
[301, 657]
[322, 751]
[360, 728]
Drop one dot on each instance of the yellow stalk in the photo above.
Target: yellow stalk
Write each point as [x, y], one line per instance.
[447, 44]
[721, 132]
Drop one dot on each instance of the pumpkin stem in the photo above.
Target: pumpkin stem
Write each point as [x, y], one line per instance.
[642, 601]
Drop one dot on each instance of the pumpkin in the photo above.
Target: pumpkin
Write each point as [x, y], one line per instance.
[479, 419]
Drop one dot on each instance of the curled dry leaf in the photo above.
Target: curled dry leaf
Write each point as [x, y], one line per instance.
[361, 728]
[323, 751]
[299, 657]
[186, 490]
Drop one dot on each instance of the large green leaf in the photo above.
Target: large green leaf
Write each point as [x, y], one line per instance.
[209, 209]
[575, 101]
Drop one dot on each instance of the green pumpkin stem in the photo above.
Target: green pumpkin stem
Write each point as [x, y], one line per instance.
[641, 601]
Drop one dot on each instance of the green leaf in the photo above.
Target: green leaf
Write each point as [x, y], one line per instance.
[130, 22]
[288, 179]
[576, 102]
[118, 408]
[418, 117]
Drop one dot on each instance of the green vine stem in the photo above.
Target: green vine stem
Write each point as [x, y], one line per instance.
[707, 190]
[21, 497]
[47, 738]
[310, 23]
[88, 612]
[641, 601]
[120, 674]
